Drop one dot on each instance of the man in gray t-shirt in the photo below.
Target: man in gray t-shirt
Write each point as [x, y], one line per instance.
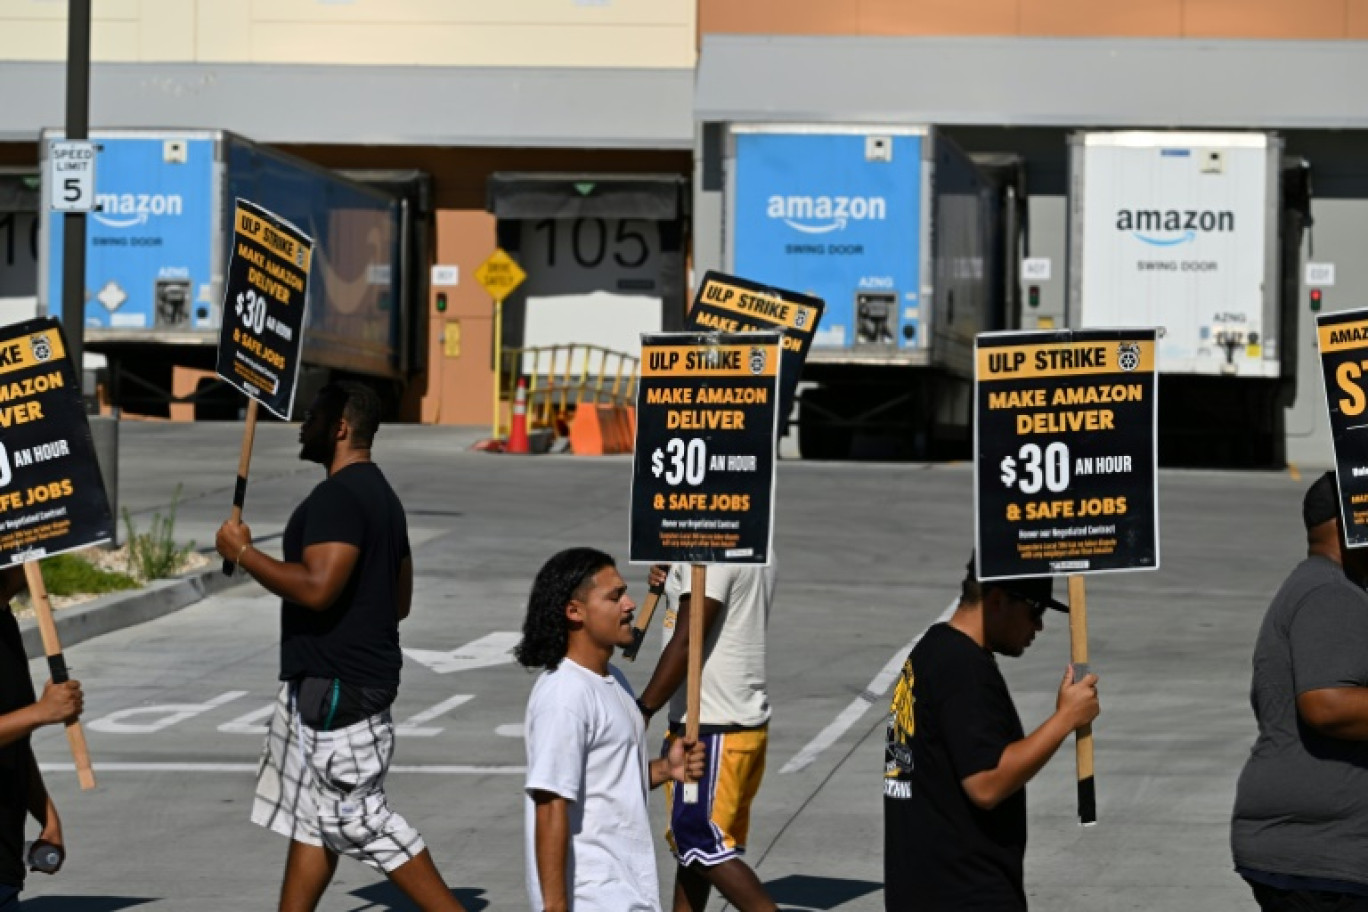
[1300, 827]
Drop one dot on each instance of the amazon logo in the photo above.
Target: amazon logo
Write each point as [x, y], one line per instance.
[821, 214]
[1170, 227]
[124, 210]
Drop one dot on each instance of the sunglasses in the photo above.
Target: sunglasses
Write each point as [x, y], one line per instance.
[1037, 607]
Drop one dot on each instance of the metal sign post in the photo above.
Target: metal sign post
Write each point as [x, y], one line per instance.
[74, 220]
[500, 275]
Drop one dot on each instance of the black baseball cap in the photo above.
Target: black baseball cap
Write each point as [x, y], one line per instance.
[1036, 590]
[1321, 503]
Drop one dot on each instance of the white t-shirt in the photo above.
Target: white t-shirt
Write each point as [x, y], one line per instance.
[734, 688]
[586, 741]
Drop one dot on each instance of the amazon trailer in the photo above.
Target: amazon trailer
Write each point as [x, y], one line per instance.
[157, 252]
[900, 233]
[1200, 235]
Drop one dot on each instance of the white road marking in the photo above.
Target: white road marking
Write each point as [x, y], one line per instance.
[494, 649]
[166, 715]
[253, 723]
[414, 724]
[439, 770]
[169, 713]
[511, 730]
[852, 713]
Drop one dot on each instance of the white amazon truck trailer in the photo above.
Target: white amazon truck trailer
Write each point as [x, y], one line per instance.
[1199, 234]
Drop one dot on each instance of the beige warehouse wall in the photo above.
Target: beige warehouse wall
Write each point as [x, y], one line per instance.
[565, 33]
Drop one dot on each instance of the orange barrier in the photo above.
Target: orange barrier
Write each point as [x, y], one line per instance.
[599, 430]
[625, 439]
[612, 428]
[581, 392]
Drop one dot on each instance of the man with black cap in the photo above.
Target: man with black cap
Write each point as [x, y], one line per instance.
[957, 759]
[1300, 828]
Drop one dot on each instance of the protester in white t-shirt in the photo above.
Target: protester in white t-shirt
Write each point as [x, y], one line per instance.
[708, 837]
[588, 838]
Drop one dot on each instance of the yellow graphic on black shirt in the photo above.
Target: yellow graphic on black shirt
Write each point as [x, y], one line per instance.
[902, 725]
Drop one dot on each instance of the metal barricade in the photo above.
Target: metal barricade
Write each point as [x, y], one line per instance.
[561, 378]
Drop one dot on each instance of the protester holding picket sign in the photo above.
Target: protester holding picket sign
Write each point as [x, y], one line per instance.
[703, 502]
[346, 582]
[957, 759]
[708, 837]
[588, 774]
[22, 793]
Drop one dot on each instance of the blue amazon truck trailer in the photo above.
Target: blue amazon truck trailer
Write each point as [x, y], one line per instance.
[157, 248]
[911, 246]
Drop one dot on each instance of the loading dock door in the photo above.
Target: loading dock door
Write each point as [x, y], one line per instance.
[604, 256]
[18, 245]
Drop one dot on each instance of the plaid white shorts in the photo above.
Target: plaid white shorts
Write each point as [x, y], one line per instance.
[328, 788]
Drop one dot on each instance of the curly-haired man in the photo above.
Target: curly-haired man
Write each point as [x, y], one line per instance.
[588, 773]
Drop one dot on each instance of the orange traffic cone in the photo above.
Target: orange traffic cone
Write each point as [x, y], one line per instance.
[517, 432]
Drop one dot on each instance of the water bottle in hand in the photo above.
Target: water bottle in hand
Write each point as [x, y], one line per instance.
[43, 856]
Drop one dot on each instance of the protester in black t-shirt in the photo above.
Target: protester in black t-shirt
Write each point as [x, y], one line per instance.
[345, 583]
[22, 792]
[957, 761]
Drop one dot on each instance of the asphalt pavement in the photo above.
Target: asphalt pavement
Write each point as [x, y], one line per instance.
[869, 555]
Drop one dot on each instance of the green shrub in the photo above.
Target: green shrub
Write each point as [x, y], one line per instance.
[67, 574]
[154, 554]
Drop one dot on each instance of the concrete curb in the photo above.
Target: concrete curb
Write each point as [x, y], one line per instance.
[124, 609]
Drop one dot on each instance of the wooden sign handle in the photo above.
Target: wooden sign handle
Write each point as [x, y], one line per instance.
[698, 592]
[643, 621]
[1083, 738]
[57, 667]
[244, 464]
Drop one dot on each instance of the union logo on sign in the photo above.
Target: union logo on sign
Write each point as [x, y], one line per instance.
[1128, 356]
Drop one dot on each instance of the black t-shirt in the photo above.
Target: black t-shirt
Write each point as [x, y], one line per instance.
[951, 717]
[356, 640]
[16, 692]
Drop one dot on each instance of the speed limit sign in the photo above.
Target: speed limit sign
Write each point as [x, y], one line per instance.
[71, 176]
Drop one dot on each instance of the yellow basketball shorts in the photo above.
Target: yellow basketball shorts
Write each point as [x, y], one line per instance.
[714, 830]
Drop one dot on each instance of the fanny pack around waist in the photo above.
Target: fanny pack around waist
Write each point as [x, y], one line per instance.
[327, 704]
